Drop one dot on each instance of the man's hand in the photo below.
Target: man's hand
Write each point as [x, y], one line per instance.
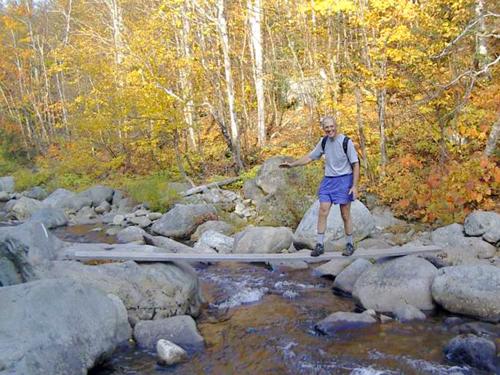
[354, 192]
[285, 164]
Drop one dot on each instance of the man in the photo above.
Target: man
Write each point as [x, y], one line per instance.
[340, 183]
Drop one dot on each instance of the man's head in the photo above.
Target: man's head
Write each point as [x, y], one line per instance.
[329, 125]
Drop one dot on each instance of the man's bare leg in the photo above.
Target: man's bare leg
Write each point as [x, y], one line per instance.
[324, 210]
[345, 211]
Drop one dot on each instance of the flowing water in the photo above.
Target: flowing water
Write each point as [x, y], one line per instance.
[261, 321]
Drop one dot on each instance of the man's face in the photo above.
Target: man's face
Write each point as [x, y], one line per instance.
[330, 128]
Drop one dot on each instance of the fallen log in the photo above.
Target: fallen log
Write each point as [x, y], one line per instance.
[201, 188]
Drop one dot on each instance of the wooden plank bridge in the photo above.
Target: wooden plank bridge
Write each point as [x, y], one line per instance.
[303, 255]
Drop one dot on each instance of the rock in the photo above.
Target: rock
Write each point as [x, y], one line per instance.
[473, 351]
[270, 178]
[118, 220]
[103, 208]
[125, 205]
[492, 236]
[170, 245]
[252, 191]
[262, 240]
[7, 184]
[346, 279]
[36, 192]
[169, 353]
[342, 321]
[182, 220]
[85, 216]
[131, 234]
[57, 197]
[461, 249]
[141, 212]
[406, 313]
[179, 187]
[288, 265]
[384, 218]
[141, 221]
[180, 330]
[117, 197]
[374, 243]
[305, 235]
[480, 222]
[383, 287]
[148, 291]
[74, 203]
[58, 327]
[24, 249]
[153, 216]
[113, 231]
[333, 267]
[4, 196]
[469, 290]
[217, 241]
[98, 194]
[215, 225]
[50, 217]
[477, 328]
[23, 208]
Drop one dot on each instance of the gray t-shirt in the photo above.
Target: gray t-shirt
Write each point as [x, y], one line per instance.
[336, 162]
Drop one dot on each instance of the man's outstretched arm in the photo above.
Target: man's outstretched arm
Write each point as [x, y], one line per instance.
[297, 163]
[355, 179]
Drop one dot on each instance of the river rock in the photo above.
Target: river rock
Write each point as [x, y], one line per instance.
[36, 192]
[182, 220]
[217, 241]
[103, 208]
[406, 313]
[215, 225]
[148, 291]
[342, 321]
[262, 240]
[125, 206]
[252, 191]
[385, 286]
[50, 217]
[332, 267]
[98, 194]
[478, 352]
[271, 178]
[74, 203]
[56, 198]
[170, 245]
[23, 208]
[180, 330]
[85, 216]
[384, 218]
[346, 279]
[119, 220]
[469, 290]
[305, 235]
[480, 222]
[131, 234]
[461, 249]
[4, 196]
[169, 353]
[141, 221]
[58, 327]
[153, 216]
[7, 184]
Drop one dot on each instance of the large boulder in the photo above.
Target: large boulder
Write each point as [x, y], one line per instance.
[58, 327]
[262, 240]
[385, 286]
[50, 217]
[36, 192]
[98, 194]
[305, 234]
[471, 350]
[149, 291]
[56, 198]
[346, 279]
[333, 267]
[216, 241]
[131, 234]
[384, 217]
[215, 225]
[24, 249]
[483, 223]
[181, 221]
[7, 184]
[469, 290]
[271, 178]
[23, 208]
[180, 330]
[459, 248]
[342, 321]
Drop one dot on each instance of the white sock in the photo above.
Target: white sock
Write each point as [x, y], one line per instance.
[320, 238]
[348, 238]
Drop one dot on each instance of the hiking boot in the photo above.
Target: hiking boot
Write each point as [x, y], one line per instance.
[318, 250]
[349, 250]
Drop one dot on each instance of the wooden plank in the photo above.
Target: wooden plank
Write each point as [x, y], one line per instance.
[298, 256]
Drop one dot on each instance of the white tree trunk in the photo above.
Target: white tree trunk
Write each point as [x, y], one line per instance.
[491, 145]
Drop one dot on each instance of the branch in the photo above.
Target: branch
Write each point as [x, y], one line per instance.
[472, 73]
[169, 92]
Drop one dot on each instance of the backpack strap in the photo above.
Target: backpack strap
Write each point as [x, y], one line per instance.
[344, 146]
[323, 143]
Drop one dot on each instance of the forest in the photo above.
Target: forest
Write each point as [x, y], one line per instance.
[137, 93]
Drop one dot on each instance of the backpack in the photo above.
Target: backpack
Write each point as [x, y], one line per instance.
[344, 145]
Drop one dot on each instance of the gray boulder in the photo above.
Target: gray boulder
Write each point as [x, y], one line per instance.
[216, 241]
[36, 192]
[4, 196]
[271, 178]
[215, 225]
[170, 353]
[485, 224]
[473, 351]
[469, 290]
[131, 234]
[103, 208]
[262, 240]
[385, 286]
[459, 248]
[342, 321]
[23, 208]
[346, 279]
[98, 194]
[56, 198]
[7, 184]
[252, 191]
[148, 291]
[74, 203]
[182, 220]
[180, 330]
[50, 217]
[384, 218]
[305, 234]
[58, 327]
[141, 221]
[169, 245]
[332, 267]
[406, 313]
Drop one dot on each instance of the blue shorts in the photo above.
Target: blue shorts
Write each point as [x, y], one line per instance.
[336, 189]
